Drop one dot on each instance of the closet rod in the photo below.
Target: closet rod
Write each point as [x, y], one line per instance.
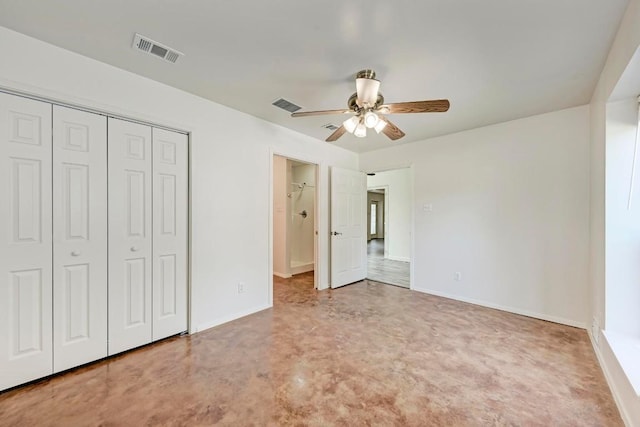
[87, 109]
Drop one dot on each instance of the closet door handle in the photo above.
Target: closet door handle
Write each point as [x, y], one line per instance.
[75, 253]
[134, 249]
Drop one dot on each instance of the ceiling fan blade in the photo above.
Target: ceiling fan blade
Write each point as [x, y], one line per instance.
[392, 131]
[336, 134]
[433, 106]
[319, 113]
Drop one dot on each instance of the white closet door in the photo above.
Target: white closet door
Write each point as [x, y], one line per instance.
[79, 237]
[25, 240]
[130, 239]
[170, 202]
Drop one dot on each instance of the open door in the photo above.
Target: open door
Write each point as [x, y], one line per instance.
[348, 226]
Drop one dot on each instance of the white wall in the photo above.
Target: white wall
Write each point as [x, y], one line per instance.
[510, 211]
[302, 229]
[622, 220]
[626, 43]
[280, 217]
[303, 173]
[231, 155]
[398, 182]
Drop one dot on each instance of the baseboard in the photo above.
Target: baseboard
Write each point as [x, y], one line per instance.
[399, 258]
[535, 315]
[222, 320]
[282, 275]
[615, 391]
[304, 268]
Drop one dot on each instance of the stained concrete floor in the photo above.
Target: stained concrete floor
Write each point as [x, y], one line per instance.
[364, 354]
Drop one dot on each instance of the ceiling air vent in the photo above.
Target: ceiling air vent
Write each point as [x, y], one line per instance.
[151, 47]
[330, 126]
[286, 105]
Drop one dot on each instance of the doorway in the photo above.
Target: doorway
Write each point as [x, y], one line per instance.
[389, 227]
[294, 218]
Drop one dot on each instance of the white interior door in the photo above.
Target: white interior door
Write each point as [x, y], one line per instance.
[130, 239]
[25, 240]
[348, 226]
[170, 202]
[79, 237]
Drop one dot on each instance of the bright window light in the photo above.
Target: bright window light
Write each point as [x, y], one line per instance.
[374, 219]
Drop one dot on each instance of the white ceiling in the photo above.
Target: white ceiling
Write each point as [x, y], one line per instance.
[495, 60]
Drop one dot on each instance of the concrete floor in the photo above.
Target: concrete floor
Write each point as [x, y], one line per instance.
[364, 354]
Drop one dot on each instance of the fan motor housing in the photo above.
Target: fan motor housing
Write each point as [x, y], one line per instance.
[352, 103]
[366, 74]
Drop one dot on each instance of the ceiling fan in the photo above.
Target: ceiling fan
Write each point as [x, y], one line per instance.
[368, 107]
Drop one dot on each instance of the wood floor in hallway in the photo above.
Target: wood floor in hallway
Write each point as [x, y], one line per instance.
[383, 269]
[364, 354]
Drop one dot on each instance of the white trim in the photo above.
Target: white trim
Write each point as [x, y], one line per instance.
[626, 350]
[412, 192]
[222, 320]
[282, 275]
[323, 241]
[535, 315]
[65, 100]
[615, 392]
[399, 258]
[412, 203]
[385, 217]
[303, 268]
[270, 228]
[319, 261]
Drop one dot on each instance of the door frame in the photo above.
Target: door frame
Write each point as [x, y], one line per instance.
[385, 215]
[319, 263]
[412, 217]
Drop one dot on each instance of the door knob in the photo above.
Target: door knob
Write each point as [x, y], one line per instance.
[134, 249]
[335, 233]
[75, 253]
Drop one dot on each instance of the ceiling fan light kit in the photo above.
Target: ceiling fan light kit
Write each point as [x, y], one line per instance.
[370, 119]
[367, 90]
[368, 107]
[351, 123]
[380, 126]
[361, 130]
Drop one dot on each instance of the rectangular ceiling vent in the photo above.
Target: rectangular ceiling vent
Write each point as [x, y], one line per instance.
[151, 47]
[286, 105]
[330, 126]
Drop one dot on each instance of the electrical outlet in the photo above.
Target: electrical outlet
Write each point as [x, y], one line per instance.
[427, 207]
[240, 287]
[457, 276]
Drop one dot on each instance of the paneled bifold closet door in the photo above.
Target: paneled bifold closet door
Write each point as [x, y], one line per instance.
[93, 237]
[79, 237]
[170, 201]
[130, 235]
[25, 240]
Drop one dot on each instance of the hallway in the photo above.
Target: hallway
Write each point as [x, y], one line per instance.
[385, 270]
